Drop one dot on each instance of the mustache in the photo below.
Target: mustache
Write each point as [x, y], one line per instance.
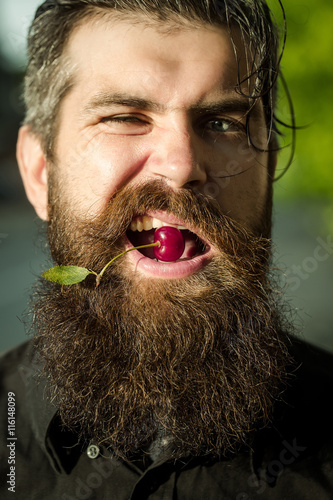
[196, 210]
[104, 233]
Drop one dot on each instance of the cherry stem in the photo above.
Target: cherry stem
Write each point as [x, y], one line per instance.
[99, 276]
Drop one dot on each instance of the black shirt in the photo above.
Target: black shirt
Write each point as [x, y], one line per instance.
[290, 459]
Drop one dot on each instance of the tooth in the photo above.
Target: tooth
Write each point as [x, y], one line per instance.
[139, 225]
[133, 226]
[169, 225]
[147, 223]
[156, 223]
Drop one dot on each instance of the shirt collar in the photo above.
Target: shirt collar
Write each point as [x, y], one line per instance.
[60, 445]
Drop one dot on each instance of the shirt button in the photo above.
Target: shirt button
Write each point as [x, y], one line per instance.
[93, 451]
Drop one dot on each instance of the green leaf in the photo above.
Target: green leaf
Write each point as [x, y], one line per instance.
[67, 275]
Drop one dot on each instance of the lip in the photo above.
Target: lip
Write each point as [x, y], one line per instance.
[168, 270]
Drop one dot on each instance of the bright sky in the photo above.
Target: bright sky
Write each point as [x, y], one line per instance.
[15, 18]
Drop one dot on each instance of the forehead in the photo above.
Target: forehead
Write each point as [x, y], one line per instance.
[181, 64]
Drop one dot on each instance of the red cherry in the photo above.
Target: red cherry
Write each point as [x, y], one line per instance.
[172, 244]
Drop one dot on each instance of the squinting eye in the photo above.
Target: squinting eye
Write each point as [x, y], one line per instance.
[122, 119]
[126, 124]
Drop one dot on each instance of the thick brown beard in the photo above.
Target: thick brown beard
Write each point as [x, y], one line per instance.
[199, 360]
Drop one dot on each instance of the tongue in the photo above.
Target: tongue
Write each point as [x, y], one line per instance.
[192, 247]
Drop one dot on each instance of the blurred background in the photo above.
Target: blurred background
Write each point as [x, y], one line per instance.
[303, 213]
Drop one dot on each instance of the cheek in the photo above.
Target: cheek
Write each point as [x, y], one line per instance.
[95, 170]
[241, 187]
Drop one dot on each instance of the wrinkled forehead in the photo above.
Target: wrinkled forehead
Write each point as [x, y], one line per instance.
[123, 45]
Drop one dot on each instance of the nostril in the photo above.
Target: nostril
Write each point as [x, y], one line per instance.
[195, 184]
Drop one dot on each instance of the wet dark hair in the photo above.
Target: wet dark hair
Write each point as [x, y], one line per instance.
[48, 78]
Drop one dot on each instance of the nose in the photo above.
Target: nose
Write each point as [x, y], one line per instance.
[178, 158]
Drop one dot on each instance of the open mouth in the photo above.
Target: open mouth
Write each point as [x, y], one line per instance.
[142, 230]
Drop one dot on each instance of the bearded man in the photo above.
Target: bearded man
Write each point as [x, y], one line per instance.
[177, 378]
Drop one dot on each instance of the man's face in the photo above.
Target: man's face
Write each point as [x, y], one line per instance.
[148, 106]
[152, 126]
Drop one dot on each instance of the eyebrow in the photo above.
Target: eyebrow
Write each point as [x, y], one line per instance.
[106, 100]
[229, 104]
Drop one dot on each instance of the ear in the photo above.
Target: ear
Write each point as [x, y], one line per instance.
[32, 163]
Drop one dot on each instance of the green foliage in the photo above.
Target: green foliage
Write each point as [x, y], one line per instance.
[71, 275]
[308, 71]
[66, 275]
